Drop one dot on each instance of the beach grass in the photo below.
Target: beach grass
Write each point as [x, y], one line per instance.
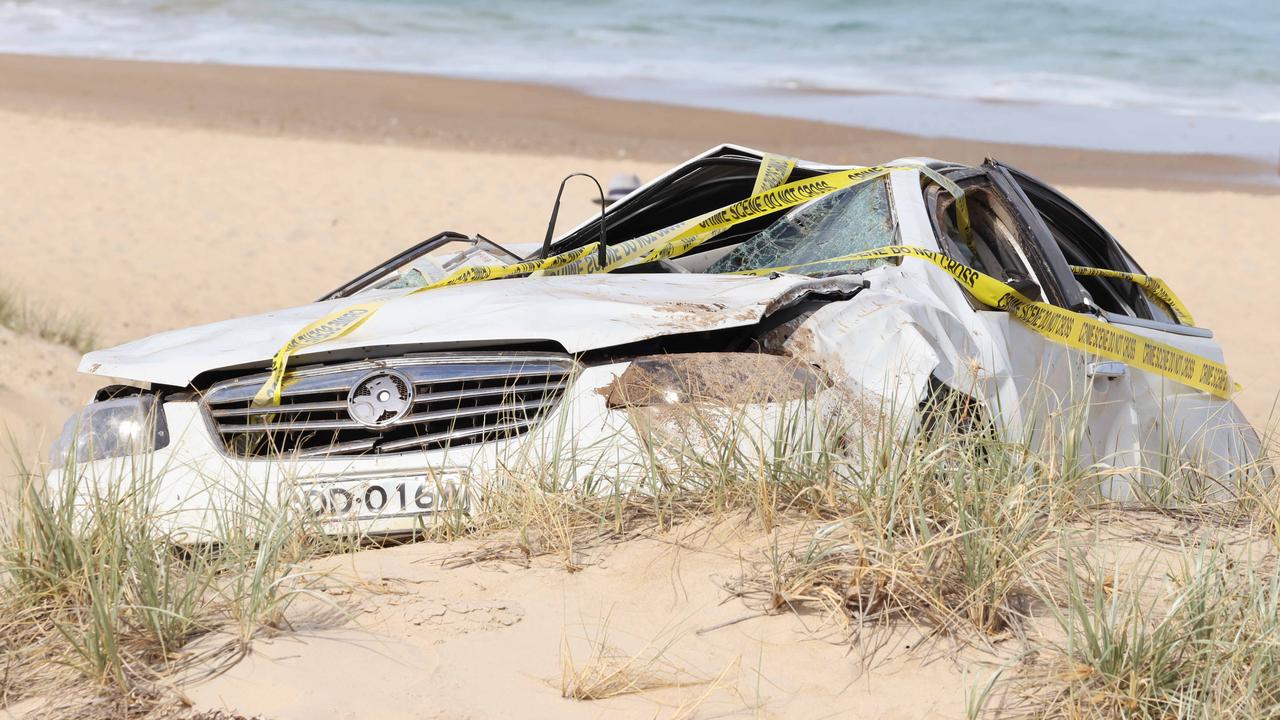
[26, 317]
[970, 539]
[97, 605]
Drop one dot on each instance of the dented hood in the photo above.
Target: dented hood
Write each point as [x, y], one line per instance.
[579, 313]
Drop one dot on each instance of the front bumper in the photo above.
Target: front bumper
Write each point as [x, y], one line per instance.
[195, 485]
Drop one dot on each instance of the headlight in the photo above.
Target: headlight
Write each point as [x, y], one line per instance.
[111, 428]
[717, 378]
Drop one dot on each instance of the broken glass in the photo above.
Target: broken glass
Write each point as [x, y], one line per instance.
[845, 222]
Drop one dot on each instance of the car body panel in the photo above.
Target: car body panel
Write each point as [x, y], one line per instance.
[908, 328]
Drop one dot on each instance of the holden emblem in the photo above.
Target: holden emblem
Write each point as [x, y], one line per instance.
[380, 399]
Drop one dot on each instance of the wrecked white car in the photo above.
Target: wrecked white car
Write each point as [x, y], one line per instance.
[380, 399]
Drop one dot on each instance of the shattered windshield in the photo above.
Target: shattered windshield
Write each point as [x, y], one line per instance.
[842, 223]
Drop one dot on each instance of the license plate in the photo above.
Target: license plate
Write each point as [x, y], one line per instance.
[377, 498]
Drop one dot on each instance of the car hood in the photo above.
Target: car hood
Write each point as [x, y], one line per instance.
[579, 313]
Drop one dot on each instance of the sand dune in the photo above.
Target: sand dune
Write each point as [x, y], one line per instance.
[436, 642]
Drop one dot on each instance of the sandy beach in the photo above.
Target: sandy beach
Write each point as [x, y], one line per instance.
[149, 196]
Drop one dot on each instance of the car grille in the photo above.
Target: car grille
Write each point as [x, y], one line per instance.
[457, 399]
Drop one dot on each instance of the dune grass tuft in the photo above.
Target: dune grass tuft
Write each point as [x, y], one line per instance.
[609, 672]
[1194, 636]
[92, 589]
[63, 328]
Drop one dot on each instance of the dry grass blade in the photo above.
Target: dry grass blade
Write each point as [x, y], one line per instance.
[608, 672]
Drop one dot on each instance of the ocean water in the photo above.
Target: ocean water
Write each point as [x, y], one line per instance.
[1153, 75]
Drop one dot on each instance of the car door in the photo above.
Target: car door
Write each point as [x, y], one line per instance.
[1186, 437]
[1058, 392]
[1105, 416]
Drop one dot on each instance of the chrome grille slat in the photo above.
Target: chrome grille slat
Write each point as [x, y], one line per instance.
[293, 407]
[461, 399]
[296, 426]
[299, 425]
[458, 394]
[454, 435]
[243, 392]
[336, 448]
[481, 410]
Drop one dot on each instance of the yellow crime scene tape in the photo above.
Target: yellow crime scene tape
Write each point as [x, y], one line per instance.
[768, 197]
[678, 239]
[774, 170]
[339, 323]
[684, 237]
[1058, 324]
[1153, 285]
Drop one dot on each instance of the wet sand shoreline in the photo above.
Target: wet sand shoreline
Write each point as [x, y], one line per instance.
[486, 115]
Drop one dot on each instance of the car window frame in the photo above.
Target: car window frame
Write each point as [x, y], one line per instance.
[1114, 252]
[1042, 267]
